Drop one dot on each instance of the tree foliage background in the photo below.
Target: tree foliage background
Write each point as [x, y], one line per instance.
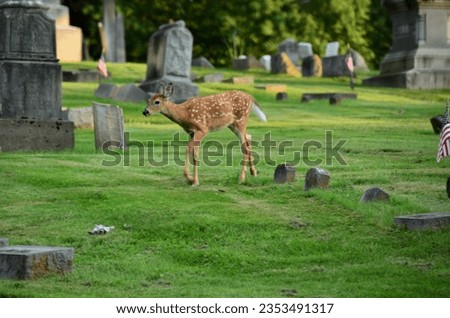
[223, 30]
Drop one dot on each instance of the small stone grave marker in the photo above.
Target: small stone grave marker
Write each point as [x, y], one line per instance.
[210, 78]
[108, 126]
[202, 62]
[437, 123]
[374, 194]
[79, 76]
[240, 80]
[424, 221]
[28, 262]
[284, 173]
[281, 96]
[317, 178]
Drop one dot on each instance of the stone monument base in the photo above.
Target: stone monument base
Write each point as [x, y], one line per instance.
[33, 134]
[183, 88]
[413, 79]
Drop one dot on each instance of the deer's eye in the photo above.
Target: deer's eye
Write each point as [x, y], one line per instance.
[156, 102]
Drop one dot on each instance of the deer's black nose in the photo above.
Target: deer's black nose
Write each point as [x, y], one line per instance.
[146, 112]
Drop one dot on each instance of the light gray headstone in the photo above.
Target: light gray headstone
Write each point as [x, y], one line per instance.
[265, 61]
[109, 126]
[29, 262]
[106, 90]
[305, 50]
[81, 117]
[202, 62]
[332, 49]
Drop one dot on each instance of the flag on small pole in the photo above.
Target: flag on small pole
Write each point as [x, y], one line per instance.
[101, 67]
[350, 66]
[444, 139]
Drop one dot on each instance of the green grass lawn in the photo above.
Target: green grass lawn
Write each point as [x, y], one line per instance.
[225, 239]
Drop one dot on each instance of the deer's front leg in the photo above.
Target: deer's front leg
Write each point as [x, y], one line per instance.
[189, 157]
[198, 136]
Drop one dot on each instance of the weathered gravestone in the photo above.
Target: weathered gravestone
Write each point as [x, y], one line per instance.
[312, 66]
[422, 221]
[419, 57]
[106, 90]
[130, 93]
[210, 78]
[30, 80]
[80, 76]
[284, 173]
[374, 194]
[317, 178]
[114, 29]
[281, 96]
[169, 59]
[335, 66]
[29, 262]
[109, 126]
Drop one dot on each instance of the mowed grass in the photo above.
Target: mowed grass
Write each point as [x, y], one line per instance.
[225, 239]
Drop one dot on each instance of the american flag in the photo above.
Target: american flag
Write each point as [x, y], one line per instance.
[444, 139]
[349, 62]
[101, 67]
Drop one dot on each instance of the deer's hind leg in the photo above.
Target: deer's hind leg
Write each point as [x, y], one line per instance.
[240, 132]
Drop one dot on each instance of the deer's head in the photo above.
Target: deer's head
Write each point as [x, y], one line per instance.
[156, 103]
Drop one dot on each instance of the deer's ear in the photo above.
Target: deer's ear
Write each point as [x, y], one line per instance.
[161, 88]
[168, 90]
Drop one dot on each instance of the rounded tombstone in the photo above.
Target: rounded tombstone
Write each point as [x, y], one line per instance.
[374, 194]
[284, 173]
[317, 178]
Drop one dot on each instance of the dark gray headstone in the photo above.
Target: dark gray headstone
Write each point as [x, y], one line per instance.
[169, 60]
[284, 173]
[202, 62]
[80, 76]
[374, 194]
[130, 93]
[29, 262]
[109, 126]
[290, 46]
[424, 221]
[317, 178]
[419, 56]
[241, 64]
[30, 80]
[335, 66]
[281, 96]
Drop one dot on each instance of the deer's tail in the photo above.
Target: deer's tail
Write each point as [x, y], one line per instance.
[256, 108]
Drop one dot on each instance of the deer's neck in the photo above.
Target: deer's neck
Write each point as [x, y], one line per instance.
[174, 112]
